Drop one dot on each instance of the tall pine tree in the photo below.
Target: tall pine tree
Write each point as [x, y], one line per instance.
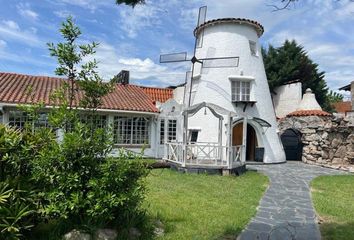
[290, 62]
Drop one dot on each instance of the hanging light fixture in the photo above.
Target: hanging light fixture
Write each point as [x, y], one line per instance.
[205, 111]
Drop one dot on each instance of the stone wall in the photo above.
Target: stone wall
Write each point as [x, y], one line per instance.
[327, 141]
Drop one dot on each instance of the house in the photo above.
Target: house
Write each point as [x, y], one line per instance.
[220, 119]
[346, 108]
[129, 108]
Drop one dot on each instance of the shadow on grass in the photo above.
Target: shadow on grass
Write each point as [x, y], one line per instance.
[230, 233]
[337, 231]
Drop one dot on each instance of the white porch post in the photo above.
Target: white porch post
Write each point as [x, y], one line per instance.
[244, 139]
[229, 140]
[185, 140]
[220, 141]
[165, 139]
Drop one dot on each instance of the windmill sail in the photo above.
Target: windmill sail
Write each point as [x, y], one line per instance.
[222, 62]
[173, 57]
[201, 20]
[202, 15]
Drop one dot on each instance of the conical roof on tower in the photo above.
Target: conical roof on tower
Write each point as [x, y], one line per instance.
[309, 106]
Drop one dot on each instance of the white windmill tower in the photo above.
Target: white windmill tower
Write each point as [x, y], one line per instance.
[228, 77]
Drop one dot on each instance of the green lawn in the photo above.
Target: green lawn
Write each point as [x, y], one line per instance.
[193, 206]
[333, 197]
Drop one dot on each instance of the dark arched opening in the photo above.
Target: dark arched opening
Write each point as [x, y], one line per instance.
[292, 144]
[251, 140]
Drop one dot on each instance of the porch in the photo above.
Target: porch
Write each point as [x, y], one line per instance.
[204, 155]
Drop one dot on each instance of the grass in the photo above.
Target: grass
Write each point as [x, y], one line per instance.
[197, 207]
[333, 198]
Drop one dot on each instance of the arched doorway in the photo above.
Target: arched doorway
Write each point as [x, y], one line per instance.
[251, 140]
[292, 144]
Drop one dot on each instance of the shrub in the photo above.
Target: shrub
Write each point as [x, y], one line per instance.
[18, 194]
[83, 186]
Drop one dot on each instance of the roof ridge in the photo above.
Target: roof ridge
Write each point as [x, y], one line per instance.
[31, 75]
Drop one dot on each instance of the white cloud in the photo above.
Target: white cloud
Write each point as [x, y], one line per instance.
[12, 31]
[91, 5]
[62, 13]
[132, 20]
[25, 11]
[2, 44]
[111, 63]
[11, 25]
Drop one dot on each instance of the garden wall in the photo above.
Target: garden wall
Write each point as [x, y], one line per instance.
[327, 141]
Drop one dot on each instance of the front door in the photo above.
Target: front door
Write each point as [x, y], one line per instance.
[251, 139]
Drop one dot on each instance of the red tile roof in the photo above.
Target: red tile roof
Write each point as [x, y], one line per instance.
[309, 113]
[259, 28]
[14, 89]
[158, 94]
[343, 107]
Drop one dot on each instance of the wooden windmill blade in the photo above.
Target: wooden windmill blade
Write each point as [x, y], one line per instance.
[173, 57]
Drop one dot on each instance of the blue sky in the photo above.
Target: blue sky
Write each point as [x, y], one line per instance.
[132, 39]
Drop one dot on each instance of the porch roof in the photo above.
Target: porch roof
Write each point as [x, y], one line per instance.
[215, 109]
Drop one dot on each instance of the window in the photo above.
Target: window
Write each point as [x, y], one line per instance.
[162, 131]
[241, 91]
[18, 119]
[98, 121]
[172, 130]
[131, 130]
[253, 48]
[193, 136]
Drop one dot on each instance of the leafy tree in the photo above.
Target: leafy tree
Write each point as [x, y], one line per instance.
[290, 62]
[132, 3]
[335, 97]
[82, 77]
[81, 185]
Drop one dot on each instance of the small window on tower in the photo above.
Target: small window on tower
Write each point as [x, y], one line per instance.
[241, 91]
[253, 48]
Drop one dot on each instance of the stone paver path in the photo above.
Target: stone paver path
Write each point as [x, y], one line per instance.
[286, 210]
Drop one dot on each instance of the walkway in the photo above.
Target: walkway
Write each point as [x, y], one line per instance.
[286, 211]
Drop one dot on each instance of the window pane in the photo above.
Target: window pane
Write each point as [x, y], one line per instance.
[131, 130]
[172, 130]
[162, 131]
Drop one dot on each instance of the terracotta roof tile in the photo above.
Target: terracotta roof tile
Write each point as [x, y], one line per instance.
[14, 89]
[343, 107]
[158, 94]
[259, 28]
[309, 113]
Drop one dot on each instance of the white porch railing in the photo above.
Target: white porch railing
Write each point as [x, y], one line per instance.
[175, 152]
[204, 154]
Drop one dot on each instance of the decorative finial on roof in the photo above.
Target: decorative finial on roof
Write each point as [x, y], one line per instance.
[309, 101]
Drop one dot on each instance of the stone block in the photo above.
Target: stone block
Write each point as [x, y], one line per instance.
[335, 142]
[76, 235]
[106, 234]
[341, 152]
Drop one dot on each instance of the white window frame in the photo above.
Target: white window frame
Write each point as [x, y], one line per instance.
[239, 98]
[162, 131]
[131, 134]
[18, 119]
[171, 130]
[241, 91]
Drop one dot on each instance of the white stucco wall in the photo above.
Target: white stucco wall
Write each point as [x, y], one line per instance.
[178, 94]
[287, 98]
[214, 85]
